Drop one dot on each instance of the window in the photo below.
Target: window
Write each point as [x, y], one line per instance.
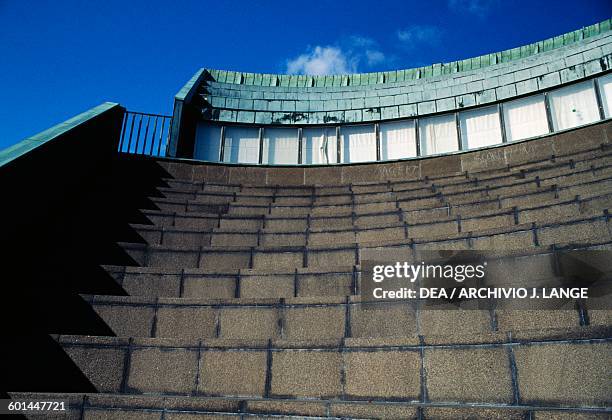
[525, 118]
[241, 145]
[605, 91]
[438, 134]
[208, 142]
[319, 145]
[480, 127]
[573, 105]
[397, 140]
[280, 146]
[358, 143]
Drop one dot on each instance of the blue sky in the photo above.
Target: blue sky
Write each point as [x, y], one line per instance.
[59, 58]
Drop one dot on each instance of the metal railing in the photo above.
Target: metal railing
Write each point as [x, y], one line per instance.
[145, 134]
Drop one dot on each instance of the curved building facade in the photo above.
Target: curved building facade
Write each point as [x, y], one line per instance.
[509, 96]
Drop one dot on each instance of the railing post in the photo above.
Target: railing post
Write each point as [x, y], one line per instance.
[161, 134]
[131, 132]
[144, 140]
[153, 136]
[138, 135]
[124, 125]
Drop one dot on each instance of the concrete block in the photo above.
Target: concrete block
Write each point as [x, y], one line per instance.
[516, 240]
[288, 260]
[309, 374]
[372, 409]
[383, 374]
[569, 374]
[233, 373]
[186, 322]
[392, 319]
[451, 413]
[249, 323]
[224, 260]
[110, 414]
[103, 367]
[173, 259]
[330, 258]
[197, 287]
[468, 375]
[328, 284]
[151, 285]
[593, 231]
[313, 323]
[127, 320]
[170, 370]
[271, 286]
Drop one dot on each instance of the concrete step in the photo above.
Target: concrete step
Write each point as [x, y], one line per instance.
[362, 229]
[530, 212]
[528, 368]
[433, 201]
[214, 284]
[123, 406]
[185, 174]
[565, 173]
[318, 318]
[582, 232]
[251, 248]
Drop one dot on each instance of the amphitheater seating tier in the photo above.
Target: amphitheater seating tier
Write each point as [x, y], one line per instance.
[242, 299]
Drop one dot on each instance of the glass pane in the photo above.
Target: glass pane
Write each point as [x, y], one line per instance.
[319, 145]
[208, 142]
[241, 145]
[438, 134]
[397, 140]
[480, 127]
[573, 105]
[525, 118]
[280, 146]
[358, 143]
[605, 91]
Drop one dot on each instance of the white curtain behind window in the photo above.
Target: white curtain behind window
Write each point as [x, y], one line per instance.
[573, 105]
[358, 143]
[397, 140]
[241, 145]
[480, 127]
[525, 118]
[280, 146]
[438, 134]
[208, 142]
[605, 91]
[319, 145]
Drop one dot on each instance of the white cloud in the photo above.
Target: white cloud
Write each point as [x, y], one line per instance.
[345, 57]
[322, 60]
[374, 57]
[361, 41]
[419, 35]
[476, 7]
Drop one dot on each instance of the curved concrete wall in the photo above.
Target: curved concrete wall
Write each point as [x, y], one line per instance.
[536, 150]
[302, 100]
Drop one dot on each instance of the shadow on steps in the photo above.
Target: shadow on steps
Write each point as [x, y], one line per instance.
[54, 241]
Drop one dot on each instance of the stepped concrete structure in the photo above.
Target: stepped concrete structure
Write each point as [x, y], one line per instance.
[212, 264]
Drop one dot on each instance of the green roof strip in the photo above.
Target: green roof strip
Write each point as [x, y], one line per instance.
[190, 87]
[424, 72]
[17, 150]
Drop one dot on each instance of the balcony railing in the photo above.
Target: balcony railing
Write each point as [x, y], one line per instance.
[145, 134]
